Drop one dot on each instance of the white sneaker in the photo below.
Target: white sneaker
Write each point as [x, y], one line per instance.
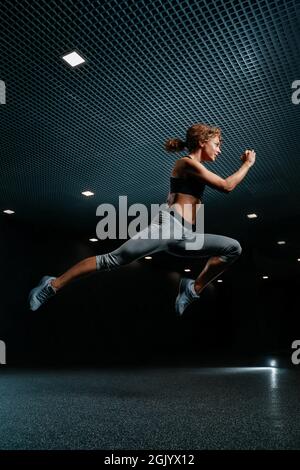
[186, 295]
[40, 294]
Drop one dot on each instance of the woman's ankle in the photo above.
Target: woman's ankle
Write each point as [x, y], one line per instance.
[55, 284]
[196, 290]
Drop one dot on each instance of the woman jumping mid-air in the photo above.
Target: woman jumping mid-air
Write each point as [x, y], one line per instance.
[188, 179]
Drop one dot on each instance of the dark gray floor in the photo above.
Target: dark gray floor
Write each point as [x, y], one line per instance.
[154, 408]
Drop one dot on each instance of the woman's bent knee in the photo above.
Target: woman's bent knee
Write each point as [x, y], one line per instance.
[237, 249]
[232, 252]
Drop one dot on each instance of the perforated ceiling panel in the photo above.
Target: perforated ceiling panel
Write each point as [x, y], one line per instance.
[153, 68]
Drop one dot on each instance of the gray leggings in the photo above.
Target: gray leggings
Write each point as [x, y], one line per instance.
[166, 233]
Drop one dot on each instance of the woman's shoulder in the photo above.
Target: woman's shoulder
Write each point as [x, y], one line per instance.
[178, 168]
[182, 166]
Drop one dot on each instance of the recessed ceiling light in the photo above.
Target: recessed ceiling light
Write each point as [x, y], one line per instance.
[8, 211]
[87, 193]
[148, 257]
[251, 216]
[281, 242]
[93, 239]
[298, 259]
[187, 270]
[73, 59]
[265, 277]
[219, 280]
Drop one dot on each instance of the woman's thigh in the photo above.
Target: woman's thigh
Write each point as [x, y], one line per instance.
[146, 242]
[203, 245]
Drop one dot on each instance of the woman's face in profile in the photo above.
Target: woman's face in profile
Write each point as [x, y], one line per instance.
[211, 149]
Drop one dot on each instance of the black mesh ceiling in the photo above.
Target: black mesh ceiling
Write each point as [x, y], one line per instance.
[153, 68]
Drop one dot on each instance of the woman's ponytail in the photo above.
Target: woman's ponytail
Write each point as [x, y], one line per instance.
[174, 145]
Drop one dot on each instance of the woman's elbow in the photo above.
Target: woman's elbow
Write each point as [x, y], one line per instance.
[227, 188]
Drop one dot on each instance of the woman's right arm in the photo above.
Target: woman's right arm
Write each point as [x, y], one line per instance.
[238, 176]
[225, 185]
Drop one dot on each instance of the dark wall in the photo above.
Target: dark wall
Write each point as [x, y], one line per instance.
[128, 314]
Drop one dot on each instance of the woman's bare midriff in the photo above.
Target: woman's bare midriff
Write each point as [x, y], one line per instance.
[185, 204]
